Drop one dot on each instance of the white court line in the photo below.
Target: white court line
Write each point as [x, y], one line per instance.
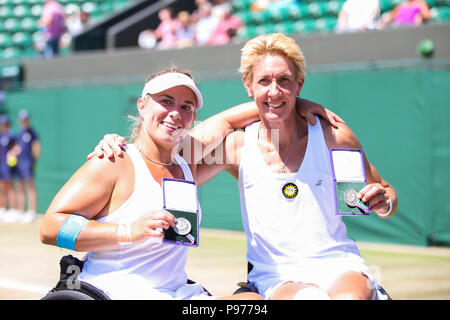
[8, 284]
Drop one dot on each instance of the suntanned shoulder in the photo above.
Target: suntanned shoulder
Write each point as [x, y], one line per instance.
[340, 137]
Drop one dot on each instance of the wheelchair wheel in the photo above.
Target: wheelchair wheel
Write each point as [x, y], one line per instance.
[67, 295]
[86, 291]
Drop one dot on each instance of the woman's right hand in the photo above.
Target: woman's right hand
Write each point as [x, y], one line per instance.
[150, 225]
[110, 145]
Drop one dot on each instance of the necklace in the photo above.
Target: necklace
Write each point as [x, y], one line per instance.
[283, 163]
[154, 161]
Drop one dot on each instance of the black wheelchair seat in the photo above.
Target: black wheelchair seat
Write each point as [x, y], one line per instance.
[69, 287]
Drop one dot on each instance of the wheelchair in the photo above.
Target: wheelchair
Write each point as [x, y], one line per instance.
[70, 288]
[249, 287]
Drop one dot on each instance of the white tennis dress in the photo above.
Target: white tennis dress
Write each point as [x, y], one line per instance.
[299, 238]
[150, 270]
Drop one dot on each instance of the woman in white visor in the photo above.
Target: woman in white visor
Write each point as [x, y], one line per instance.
[113, 209]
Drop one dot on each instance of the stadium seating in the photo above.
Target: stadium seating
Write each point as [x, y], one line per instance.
[19, 22]
[19, 30]
[314, 16]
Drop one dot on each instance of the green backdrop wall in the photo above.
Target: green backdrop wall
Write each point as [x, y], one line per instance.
[399, 114]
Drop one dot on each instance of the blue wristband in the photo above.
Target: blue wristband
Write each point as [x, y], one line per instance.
[68, 234]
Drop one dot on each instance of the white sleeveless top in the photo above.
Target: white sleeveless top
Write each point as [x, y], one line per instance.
[285, 235]
[136, 270]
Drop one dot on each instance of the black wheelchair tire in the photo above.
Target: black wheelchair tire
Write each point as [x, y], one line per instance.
[67, 295]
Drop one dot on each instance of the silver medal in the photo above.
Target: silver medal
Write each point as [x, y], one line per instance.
[351, 197]
[182, 226]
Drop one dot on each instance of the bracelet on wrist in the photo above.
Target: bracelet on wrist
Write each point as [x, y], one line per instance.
[387, 212]
[123, 234]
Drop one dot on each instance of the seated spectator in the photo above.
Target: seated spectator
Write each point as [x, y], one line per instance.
[206, 24]
[358, 15]
[147, 39]
[407, 13]
[165, 33]
[227, 27]
[185, 33]
[195, 15]
[219, 7]
[77, 20]
[52, 24]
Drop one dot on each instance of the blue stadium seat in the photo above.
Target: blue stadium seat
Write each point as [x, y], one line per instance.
[29, 24]
[287, 27]
[279, 14]
[317, 9]
[442, 2]
[267, 27]
[22, 39]
[299, 12]
[248, 32]
[305, 26]
[12, 25]
[440, 14]
[325, 24]
[260, 17]
[12, 53]
[334, 7]
[22, 11]
[6, 12]
[5, 40]
[245, 16]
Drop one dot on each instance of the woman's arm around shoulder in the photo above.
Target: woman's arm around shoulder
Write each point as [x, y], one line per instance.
[225, 157]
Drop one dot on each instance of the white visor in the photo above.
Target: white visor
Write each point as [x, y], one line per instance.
[170, 80]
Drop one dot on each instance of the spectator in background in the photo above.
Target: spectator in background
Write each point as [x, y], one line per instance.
[185, 33]
[206, 24]
[358, 15]
[76, 21]
[195, 15]
[147, 39]
[219, 7]
[227, 27]
[29, 150]
[164, 36]
[8, 211]
[165, 33]
[52, 22]
[407, 13]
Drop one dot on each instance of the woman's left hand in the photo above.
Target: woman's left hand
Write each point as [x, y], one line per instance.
[377, 197]
[308, 110]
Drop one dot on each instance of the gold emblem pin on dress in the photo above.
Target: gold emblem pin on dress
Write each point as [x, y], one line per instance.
[290, 190]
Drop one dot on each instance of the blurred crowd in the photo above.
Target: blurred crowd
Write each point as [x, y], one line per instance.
[211, 23]
[358, 15]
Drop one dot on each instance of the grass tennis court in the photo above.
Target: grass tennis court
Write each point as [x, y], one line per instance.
[28, 268]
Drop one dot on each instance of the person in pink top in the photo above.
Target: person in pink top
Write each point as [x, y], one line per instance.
[52, 22]
[227, 27]
[407, 13]
[166, 29]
